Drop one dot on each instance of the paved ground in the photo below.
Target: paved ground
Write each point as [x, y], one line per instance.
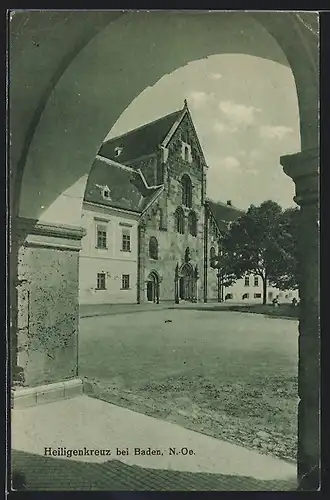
[230, 375]
[84, 422]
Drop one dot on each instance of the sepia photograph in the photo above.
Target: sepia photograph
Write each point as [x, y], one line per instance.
[164, 330]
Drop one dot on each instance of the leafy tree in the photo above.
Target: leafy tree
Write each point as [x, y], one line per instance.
[261, 243]
[286, 271]
[223, 263]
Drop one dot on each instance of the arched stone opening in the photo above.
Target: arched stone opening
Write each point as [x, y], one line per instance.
[186, 282]
[58, 124]
[153, 287]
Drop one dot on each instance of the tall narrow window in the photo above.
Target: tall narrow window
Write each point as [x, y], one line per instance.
[153, 248]
[101, 236]
[192, 223]
[186, 153]
[100, 281]
[186, 191]
[179, 220]
[161, 221]
[125, 282]
[212, 256]
[256, 281]
[247, 281]
[126, 240]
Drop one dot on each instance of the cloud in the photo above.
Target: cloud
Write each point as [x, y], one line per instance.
[252, 171]
[230, 163]
[274, 132]
[216, 76]
[254, 155]
[238, 114]
[220, 127]
[197, 98]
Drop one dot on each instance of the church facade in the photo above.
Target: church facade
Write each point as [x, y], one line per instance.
[148, 187]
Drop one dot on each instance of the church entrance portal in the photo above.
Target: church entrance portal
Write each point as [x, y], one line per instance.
[186, 283]
[153, 288]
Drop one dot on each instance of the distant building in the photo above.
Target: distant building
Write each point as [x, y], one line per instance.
[151, 231]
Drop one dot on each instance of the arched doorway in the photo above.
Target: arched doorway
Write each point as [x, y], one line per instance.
[186, 283]
[57, 102]
[153, 285]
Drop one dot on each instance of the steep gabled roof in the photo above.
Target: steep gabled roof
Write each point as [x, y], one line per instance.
[128, 190]
[140, 141]
[223, 213]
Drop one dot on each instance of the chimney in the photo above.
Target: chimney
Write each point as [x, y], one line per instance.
[229, 202]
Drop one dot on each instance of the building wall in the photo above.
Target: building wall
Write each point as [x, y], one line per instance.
[112, 261]
[238, 290]
[171, 244]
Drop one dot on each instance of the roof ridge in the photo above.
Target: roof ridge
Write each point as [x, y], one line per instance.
[114, 163]
[223, 204]
[142, 126]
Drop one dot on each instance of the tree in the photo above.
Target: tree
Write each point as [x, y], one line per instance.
[223, 263]
[260, 243]
[286, 275]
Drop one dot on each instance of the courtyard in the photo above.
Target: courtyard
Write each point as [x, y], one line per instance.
[229, 375]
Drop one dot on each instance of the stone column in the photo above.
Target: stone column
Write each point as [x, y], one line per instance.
[45, 302]
[176, 284]
[303, 169]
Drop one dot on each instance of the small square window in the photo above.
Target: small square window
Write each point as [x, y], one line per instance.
[257, 295]
[101, 284]
[125, 284]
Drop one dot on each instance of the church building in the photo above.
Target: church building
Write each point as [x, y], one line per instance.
[152, 234]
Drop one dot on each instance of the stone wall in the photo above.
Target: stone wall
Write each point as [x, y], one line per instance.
[171, 244]
[46, 326]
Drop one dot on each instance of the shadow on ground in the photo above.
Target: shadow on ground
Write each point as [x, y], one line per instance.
[35, 472]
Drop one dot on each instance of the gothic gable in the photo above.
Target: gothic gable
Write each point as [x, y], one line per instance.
[184, 149]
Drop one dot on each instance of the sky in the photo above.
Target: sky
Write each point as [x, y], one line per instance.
[245, 112]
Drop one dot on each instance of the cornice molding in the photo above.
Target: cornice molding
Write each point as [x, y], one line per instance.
[40, 228]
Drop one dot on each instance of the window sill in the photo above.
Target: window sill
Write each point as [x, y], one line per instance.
[125, 251]
[101, 248]
[100, 289]
[126, 289]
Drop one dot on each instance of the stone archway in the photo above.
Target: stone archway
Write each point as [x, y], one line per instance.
[77, 82]
[153, 287]
[187, 282]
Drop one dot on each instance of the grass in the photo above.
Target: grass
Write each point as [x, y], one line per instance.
[282, 311]
[225, 374]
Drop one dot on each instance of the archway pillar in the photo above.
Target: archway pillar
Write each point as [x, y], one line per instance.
[45, 308]
[303, 168]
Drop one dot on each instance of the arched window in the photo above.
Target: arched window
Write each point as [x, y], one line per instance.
[186, 191]
[186, 153]
[179, 220]
[192, 223]
[153, 248]
[212, 256]
[161, 219]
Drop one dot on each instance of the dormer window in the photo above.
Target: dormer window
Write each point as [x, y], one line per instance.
[106, 193]
[118, 151]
